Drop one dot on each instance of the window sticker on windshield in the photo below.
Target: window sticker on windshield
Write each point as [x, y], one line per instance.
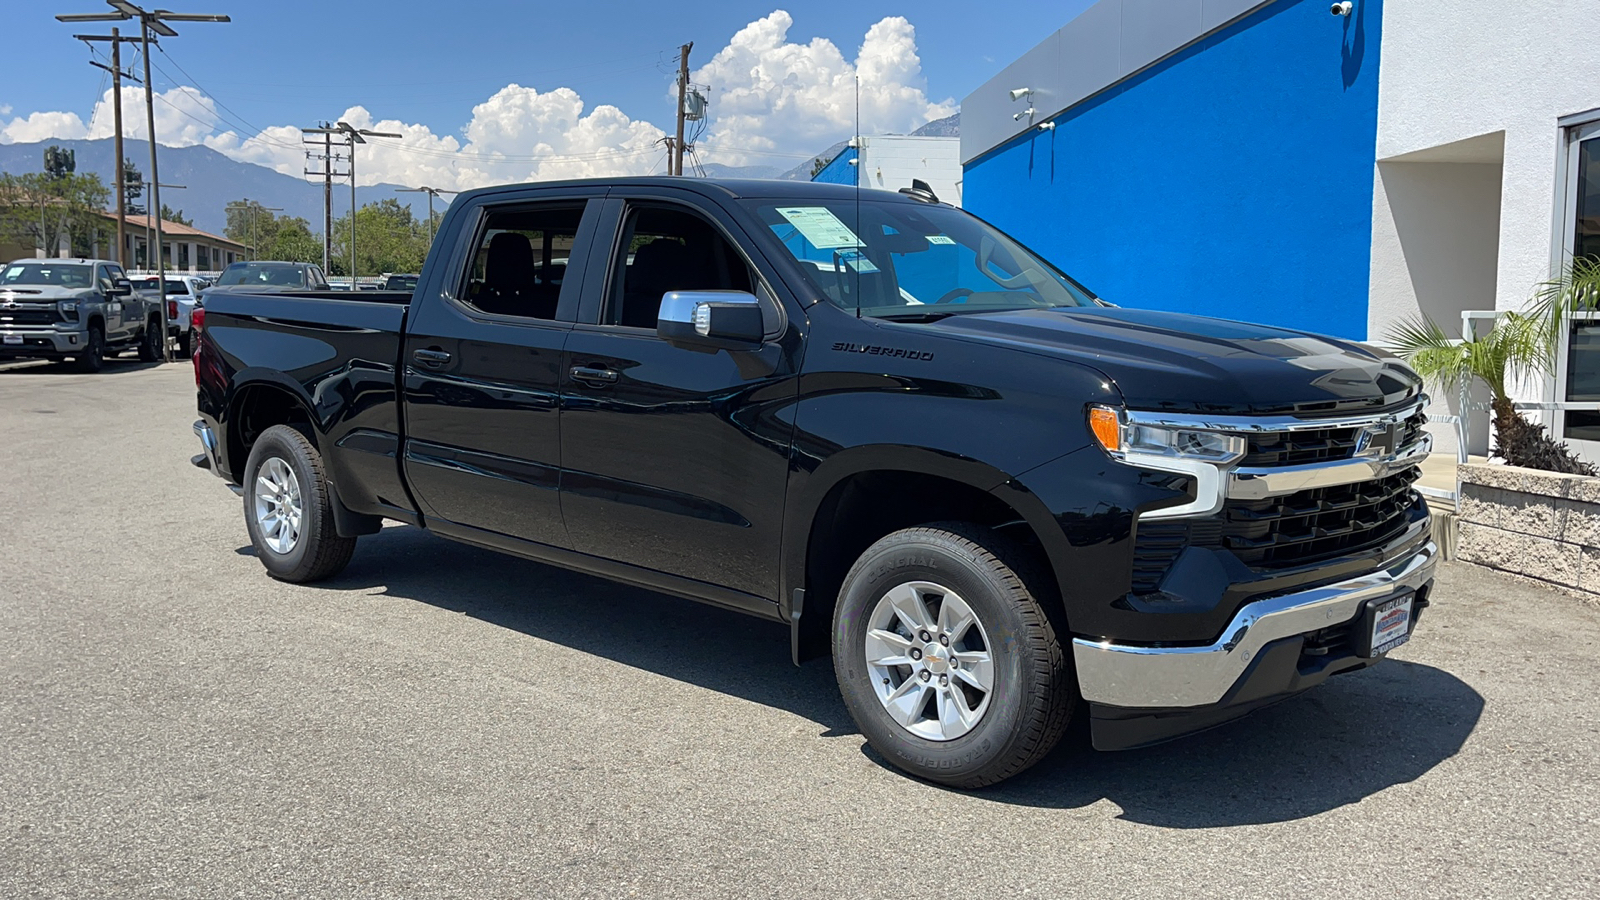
[856, 260]
[940, 239]
[820, 226]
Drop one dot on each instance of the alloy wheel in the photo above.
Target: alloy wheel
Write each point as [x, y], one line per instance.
[929, 659]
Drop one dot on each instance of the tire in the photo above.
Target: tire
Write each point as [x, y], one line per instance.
[93, 358]
[1031, 693]
[302, 547]
[151, 346]
[185, 347]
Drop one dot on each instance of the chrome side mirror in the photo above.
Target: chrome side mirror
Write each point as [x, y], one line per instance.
[712, 320]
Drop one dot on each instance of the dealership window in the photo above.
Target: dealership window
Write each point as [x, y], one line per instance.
[1578, 377]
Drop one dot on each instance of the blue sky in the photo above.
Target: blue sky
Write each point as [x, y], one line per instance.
[428, 66]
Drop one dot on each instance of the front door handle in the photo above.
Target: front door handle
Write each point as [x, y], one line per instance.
[594, 376]
[431, 358]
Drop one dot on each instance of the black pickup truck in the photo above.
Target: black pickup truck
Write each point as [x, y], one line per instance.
[992, 497]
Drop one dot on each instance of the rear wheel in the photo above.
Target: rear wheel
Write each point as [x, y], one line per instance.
[946, 657]
[93, 357]
[288, 509]
[151, 346]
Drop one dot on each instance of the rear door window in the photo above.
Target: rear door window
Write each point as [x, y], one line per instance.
[520, 262]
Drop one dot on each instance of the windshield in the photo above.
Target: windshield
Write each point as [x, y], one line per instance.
[275, 274]
[913, 261]
[400, 283]
[58, 274]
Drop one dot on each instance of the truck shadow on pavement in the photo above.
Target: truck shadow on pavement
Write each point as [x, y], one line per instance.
[1336, 745]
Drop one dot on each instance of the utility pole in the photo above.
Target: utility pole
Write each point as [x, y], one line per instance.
[354, 136]
[117, 40]
[327, 188]
[432, 193]
[683, 93]
[149, 20]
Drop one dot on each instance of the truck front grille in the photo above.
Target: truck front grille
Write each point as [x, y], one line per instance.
[1318, 523]
[46, 316]
[1281, 532]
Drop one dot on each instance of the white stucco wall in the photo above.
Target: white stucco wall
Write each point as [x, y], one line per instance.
[1469, 95]
[1451, 71]
[889, 162]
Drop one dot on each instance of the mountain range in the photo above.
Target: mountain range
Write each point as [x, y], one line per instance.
[211, 181]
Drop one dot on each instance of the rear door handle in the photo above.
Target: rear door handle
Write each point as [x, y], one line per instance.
[433, 359]
[592, 375]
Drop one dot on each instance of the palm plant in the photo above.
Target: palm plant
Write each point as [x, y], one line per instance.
[1520, 345]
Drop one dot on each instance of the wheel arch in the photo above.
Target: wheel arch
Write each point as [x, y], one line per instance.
[858, 496]
[274, 399]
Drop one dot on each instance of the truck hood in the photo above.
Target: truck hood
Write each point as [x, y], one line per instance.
[40, 293]
[1193, 364]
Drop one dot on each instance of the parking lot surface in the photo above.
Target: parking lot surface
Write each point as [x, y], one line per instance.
[441, 721]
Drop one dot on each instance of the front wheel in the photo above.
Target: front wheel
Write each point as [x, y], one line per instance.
[946, 657]
[93, 358]
[288, 509]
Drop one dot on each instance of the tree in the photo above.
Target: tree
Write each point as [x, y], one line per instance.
[132, 189]
[1520, 345]
[817, 165]
[41, 209]
[388, 239]
[175, 217]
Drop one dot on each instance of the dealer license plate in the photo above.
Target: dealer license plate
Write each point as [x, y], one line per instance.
[1391, 624]
[12, 339]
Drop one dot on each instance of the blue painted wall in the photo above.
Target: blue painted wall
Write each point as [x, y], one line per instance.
[1233, 179]
[839, 171]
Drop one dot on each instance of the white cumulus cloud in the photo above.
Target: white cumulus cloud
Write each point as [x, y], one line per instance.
[773, 101]
[769, 93]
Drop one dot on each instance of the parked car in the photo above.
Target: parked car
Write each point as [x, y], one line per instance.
[273, 276]
[872, 417]
[183, 293]
[393, 282]
[80, 309]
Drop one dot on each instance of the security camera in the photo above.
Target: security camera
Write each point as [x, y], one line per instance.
[1047, 126]
[1342, 9]
[1025, 114]
[1019, 93]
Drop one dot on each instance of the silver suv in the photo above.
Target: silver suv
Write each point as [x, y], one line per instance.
[81, 309]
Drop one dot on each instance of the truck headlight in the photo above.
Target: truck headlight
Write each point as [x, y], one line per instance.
[68, 309]
[1123, 438]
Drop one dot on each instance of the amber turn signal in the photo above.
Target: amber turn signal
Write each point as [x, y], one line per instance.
[1107, 430]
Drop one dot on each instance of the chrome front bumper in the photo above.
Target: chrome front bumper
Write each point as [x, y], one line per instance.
[1132, 676]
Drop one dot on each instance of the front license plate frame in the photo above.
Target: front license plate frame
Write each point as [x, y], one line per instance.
[11, 339]
[1387, 623]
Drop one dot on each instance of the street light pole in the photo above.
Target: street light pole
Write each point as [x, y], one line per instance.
[256, 210]
[432, 193]
[149, 20]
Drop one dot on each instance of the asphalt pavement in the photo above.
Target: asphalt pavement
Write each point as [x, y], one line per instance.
[442, 721]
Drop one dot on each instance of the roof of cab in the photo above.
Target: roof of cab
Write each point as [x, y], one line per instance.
[732, 188]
